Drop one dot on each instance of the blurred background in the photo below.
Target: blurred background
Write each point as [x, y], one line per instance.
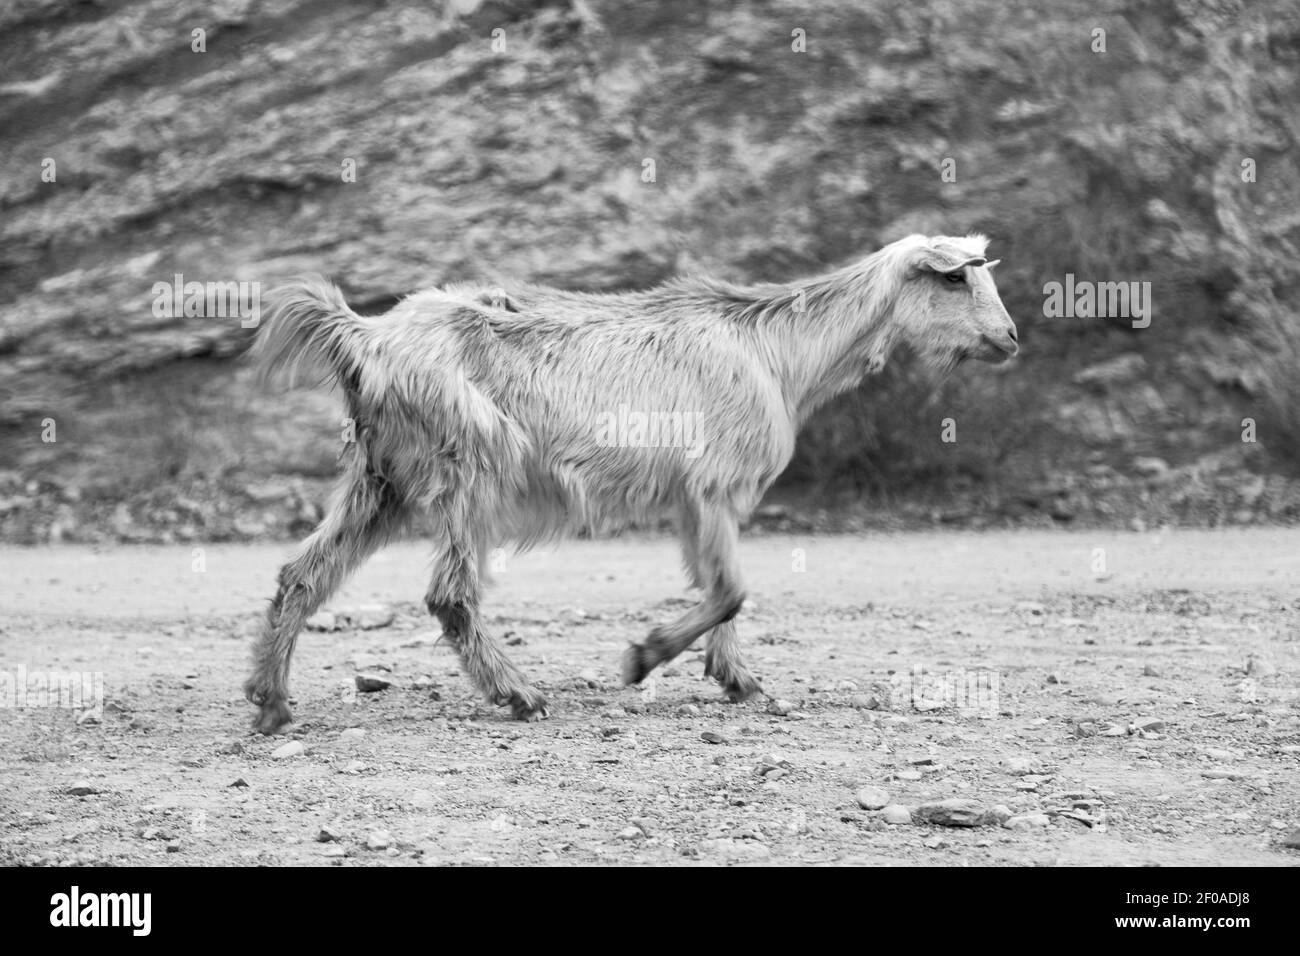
[509, 139]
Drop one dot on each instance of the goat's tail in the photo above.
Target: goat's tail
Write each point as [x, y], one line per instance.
[309, 323]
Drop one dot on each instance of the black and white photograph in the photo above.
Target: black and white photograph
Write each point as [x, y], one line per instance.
[620, 433]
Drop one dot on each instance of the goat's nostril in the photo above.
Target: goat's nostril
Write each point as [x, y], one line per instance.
[1011, 333]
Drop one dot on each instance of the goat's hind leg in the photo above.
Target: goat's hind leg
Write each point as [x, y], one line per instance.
[454, 598]
[365, 512]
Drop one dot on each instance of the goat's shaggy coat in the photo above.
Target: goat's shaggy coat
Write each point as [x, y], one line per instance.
[483, 409]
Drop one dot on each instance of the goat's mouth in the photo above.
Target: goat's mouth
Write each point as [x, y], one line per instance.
[994, 351]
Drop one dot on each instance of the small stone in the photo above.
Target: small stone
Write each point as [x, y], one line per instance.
[241, 783]
[1292, 839]
[334, 851]
[371, 683]
[1149, 671]
[1053, 678]
[933, 842]
[82, 789]
[1028, 821]
[329, 834]
[89, 717]
[367, 617]
[173, 847]
[1115, 730]
[866, 702]
[998, 815]
[1150, 725]
[631, 833]
[1222, 773]
[896, 815]
[354, 766]
[872, 798]
[352, 733]
[294, 748]
[322, 621]
[1020, 766]
[1258, 667]
[780, 707]
[231, 747]
[379, 840]
[709, 737]
[954, 812]
[1031, 607]
[911, 775]
[688, 710]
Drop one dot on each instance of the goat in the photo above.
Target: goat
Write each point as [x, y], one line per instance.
[483, 408]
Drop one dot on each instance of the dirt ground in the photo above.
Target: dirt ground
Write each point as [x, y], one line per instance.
[1070, 640]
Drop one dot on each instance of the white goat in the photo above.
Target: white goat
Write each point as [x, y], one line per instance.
[488, 409]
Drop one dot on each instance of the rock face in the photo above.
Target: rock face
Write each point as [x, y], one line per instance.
[605, 145]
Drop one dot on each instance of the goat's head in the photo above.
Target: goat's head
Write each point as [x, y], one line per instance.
[947, 307]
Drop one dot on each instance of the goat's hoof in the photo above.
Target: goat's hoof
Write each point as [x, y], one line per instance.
[528, 705]
[638, 662]
[272, 716]
[737, 683]
[741, 688]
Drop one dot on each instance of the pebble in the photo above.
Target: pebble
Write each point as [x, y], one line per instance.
[954, 812]
[231, 747]
[1027, 821]
[370, 683]
[367, 617]
[688, 710]
[896, 814]
[240, 782]
[934, 842]
[379, 840]
[908, 775]
[1222, 773]
[872, 798]
[353, 733]
[82, 789]
[1292, 839]
[329, 834]
[631, 833]
[1148, 725]
[322, 621]
[293, 748]
[1020, 766]
[780, 707]
[334, 851]
[1149, 671]
[709, 737]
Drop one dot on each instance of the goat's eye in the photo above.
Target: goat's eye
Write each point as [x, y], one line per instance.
[954, 276]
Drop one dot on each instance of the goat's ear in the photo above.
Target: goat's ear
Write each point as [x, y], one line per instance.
[940, 259]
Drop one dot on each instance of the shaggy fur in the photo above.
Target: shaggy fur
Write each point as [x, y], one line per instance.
[481, 406]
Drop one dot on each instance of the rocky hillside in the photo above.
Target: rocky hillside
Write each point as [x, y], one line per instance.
[605, 145]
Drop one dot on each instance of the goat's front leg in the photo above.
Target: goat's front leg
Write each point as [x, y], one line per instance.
[454, 596]
[719, 574]
[722, 655]
[722, 662]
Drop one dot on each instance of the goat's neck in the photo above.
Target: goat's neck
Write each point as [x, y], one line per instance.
[825, 349]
